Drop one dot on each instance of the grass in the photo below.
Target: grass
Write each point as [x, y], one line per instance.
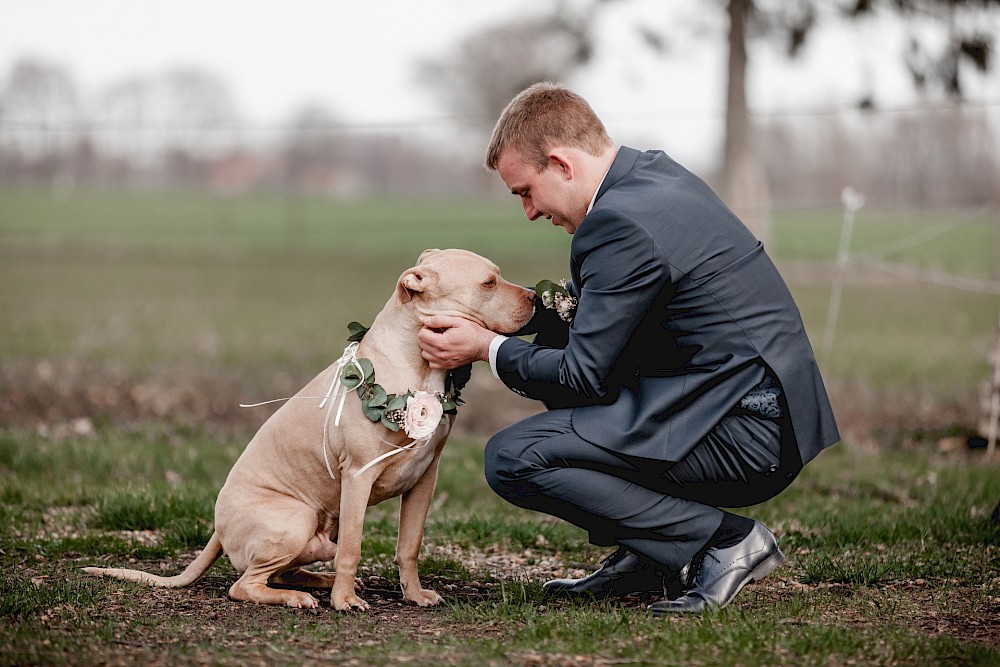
[891, 560]
[148, 282]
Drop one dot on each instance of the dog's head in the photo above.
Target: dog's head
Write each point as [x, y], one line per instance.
[464, 284]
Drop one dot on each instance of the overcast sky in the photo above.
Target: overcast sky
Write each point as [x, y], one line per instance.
[357, 58]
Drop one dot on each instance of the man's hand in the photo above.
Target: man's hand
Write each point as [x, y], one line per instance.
[450, 342]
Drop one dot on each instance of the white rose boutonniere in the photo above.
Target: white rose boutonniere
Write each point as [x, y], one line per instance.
[556, 296]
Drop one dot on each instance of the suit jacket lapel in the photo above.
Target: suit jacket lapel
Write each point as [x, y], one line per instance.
[623, 163]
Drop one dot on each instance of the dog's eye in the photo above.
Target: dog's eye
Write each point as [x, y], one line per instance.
[492, 282]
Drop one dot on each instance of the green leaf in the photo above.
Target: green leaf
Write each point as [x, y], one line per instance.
[547, 286]
[350, 377]
[357, 332]
[378, 395]
[374, 413]
[367, 368]
[392, 426]
[396, 403]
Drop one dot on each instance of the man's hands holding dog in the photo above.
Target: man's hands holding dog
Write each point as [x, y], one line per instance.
[450, 342]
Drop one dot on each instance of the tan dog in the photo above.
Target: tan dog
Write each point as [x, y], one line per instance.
[279, 508]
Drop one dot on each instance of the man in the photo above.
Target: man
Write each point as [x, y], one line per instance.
[682, 383]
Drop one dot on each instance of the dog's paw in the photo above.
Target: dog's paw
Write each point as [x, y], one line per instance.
[301, 600]
[423, 597]
[347, 602]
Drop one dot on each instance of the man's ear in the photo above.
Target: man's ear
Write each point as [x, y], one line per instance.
[414, 281]
[561, 162]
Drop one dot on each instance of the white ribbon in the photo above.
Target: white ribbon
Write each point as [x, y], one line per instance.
[350, 356]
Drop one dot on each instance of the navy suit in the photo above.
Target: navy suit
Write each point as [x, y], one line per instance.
[680, 315]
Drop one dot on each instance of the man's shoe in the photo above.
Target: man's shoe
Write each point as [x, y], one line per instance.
[725, 571]
[622, 573]
[676, 585]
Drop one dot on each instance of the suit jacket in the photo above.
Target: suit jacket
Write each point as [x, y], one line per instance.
[680, 314]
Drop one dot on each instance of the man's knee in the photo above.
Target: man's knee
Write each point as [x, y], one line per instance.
[505, 467]
[498, 463]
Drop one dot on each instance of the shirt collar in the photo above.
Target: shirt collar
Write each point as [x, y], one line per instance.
[594, 198]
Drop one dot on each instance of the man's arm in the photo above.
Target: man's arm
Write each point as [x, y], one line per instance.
[622, 273]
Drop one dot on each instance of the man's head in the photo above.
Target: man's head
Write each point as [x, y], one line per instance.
[542, 116]
[551, 150]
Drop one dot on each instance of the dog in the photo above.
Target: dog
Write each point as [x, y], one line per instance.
[298, 493]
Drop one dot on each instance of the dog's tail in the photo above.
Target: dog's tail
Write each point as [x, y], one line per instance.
[198, 567]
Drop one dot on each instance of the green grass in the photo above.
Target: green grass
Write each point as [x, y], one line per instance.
[963, 242]
[148, 282]
[882, 548]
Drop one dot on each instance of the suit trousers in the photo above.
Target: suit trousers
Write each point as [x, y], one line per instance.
[662, 510]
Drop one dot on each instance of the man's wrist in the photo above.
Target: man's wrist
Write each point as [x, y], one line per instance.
[495, 344]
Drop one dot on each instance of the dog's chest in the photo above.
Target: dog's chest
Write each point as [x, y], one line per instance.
[403, 471]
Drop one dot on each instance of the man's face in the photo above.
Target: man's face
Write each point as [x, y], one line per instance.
[551, 194]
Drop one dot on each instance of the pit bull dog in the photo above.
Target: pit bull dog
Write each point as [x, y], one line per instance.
[298, 493]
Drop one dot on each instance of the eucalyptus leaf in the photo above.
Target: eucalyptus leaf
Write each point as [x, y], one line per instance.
[374, 413]
[357, 332]
[547, 286]
[350, 377]
[379, 397]
[366, 367]
[392, 426]
[396, 403]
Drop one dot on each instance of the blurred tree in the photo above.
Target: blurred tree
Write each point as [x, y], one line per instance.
[40, 116]
[311, 151]
[933, 57]
[175, 119]
[480, 76]
[744, 184]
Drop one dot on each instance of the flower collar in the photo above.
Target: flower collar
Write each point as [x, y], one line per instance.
[417, 413]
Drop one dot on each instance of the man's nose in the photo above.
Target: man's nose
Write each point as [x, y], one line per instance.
[530, 210]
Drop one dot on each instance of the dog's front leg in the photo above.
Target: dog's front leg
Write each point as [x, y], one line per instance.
[354, 494]
[412, 515]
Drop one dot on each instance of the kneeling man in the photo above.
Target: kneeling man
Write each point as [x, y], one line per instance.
[675, 365]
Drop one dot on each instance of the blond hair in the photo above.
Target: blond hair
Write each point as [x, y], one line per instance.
[542, 116]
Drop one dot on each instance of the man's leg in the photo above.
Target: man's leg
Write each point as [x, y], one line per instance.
[669, 517]
[542, 464]
[754, 459]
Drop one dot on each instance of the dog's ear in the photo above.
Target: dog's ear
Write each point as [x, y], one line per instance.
[426, 253]
[414, 281]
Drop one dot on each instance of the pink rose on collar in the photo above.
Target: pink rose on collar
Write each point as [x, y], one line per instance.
[423, 414]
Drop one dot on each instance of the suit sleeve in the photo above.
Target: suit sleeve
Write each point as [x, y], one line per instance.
[622, 273]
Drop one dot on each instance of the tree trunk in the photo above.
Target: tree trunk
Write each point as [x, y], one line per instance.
[744, 183]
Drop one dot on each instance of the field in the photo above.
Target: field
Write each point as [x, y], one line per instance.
[133, 325]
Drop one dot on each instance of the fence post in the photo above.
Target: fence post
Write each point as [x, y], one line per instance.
[852, 201]
[991, 402]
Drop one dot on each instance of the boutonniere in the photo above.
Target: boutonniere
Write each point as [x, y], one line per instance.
[556, 296]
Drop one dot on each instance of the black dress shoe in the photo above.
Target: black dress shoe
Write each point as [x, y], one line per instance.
[622, 573]
[725, 571]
